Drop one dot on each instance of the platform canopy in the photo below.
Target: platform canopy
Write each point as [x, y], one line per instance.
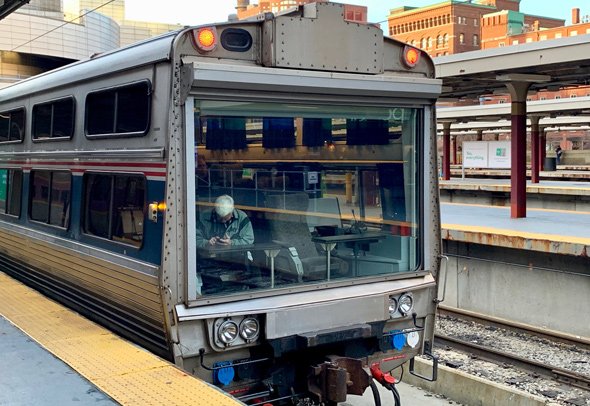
[8, 6]
[516, 69]
[550, 65]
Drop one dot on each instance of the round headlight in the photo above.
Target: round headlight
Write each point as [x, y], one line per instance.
[392, 306]
[249, 329]
[228, 332]
[406, 303]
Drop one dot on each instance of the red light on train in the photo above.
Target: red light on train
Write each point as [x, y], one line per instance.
[411, 56]
[205, 39]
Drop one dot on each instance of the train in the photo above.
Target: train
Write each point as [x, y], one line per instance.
[323, 133]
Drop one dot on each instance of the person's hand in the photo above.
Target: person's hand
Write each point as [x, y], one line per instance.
[224, 241]
[213, 240]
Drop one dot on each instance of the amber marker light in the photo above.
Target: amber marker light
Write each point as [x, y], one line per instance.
[205, 39]
[411, 56]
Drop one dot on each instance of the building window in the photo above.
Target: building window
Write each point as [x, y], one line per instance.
[429, 41]
[501, 44]
[542, 98]
[11, 186]
[557, 35]
[515, 42]
[475, 22]
[49, 198]
[446, 40]
[543, 38]
[423, 43]
[461, 38]
[123, 110]
[114, 207]
[12, 125]
[558, 97]
[573, 96]
[475, 40]
[53, 119]
[501, 101]
[462, 20]
[573, 33]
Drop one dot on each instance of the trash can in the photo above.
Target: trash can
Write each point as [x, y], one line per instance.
[550, 164]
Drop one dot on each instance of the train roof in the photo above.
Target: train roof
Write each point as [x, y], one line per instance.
[294, 45]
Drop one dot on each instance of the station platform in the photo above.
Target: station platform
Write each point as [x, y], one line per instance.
[50, 355]
[545, 187]
[544, 230]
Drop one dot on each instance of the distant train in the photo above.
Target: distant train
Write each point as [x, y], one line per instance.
[322, 131]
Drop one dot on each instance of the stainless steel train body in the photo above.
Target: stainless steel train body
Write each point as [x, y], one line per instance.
[319, 129]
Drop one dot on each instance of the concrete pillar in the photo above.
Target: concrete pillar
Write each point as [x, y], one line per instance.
[535, 156]
[479, 136]
[446, 163]
[455, 162]
[518, 93]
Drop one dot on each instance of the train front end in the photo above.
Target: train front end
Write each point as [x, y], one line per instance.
[323, 134]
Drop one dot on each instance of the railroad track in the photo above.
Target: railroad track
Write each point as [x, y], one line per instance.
[498, 356]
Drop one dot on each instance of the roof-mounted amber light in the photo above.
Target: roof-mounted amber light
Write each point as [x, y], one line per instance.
[205, 39]
[411, 56]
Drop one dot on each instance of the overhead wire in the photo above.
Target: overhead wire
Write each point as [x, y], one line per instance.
[62, 25]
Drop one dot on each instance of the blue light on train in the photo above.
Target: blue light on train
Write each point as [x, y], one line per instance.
[398, 340]
[225, 374]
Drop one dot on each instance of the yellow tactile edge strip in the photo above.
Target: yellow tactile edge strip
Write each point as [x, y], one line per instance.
[125, 372]
[514, 233]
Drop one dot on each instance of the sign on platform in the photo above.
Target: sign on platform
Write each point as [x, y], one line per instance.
[475, 154]
[486, 154]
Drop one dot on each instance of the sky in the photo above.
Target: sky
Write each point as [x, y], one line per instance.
[194, 12]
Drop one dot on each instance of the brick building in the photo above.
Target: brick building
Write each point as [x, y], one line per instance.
[245, 9]
[455, 26]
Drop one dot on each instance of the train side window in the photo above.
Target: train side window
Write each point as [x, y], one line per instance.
[11, 185]
[54, 119]
[120, 111]
[12, 125]
[114, 207]
[50, 197]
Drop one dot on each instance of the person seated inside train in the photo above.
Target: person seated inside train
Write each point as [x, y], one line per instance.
[224, 225]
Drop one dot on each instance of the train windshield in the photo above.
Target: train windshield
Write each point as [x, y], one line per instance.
[295, 195]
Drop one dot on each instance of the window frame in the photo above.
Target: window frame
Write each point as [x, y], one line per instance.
[84, 214]
[24, 129]
[115, 89]
[8, 188]
[51, 137]
[66, 226]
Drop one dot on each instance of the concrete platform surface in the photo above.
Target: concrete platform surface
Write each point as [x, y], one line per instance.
[29, 375]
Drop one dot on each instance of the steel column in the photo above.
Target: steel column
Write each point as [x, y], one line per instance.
[542, 147]
[535, 156]
[446, 163]
[455, 150]
[518, 93]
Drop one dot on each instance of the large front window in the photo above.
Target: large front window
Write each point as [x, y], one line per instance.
[321, 194]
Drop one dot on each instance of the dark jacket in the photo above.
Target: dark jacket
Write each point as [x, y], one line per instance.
[238, 228]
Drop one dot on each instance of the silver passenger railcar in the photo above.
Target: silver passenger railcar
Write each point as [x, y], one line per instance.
[323, 133]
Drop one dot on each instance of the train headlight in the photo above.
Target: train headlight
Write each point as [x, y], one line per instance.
[249, 329]
[228, 332]
[406, 303]
[392, 306]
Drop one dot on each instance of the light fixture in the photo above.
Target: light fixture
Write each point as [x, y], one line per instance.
[406, 303]
[228, 332]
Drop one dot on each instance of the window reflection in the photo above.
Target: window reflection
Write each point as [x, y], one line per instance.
[330, 192]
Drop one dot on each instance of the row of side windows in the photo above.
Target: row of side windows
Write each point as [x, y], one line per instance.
[113, 204]
[123, 111]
